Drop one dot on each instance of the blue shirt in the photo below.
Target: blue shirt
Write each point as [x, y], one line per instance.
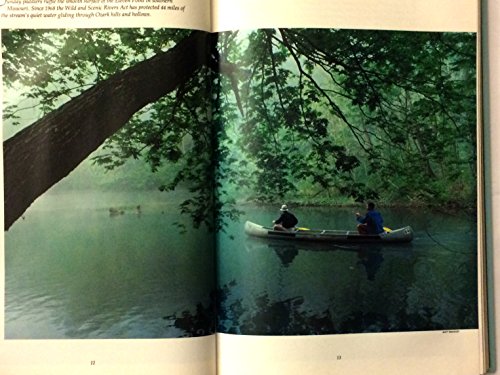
[373, 220]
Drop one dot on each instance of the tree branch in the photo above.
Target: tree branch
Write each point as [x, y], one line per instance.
[42, 154]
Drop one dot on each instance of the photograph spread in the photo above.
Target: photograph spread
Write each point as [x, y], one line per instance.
[291, 185]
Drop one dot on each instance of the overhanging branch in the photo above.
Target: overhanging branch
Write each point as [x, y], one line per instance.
[48, 150]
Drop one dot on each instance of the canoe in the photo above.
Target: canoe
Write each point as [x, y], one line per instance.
[401, 235]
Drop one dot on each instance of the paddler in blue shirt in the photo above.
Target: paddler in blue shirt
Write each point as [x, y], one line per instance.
[372, 222]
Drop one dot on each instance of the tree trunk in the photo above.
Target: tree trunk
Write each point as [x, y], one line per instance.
[48, 150]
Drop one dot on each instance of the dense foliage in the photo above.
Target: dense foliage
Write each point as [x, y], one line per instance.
[311, 116]
[337, 114]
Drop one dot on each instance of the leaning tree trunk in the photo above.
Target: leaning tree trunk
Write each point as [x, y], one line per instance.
[42, 154]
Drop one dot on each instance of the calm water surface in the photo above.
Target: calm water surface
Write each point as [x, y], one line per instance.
[288, 289]
[81, 273]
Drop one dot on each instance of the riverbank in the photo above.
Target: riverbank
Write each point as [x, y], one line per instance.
[443, 207]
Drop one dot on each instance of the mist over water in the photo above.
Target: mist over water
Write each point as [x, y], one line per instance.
[73, 270]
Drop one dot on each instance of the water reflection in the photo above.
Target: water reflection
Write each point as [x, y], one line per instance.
[200, 323]
[291, 316]
[371, 260]
[369, 256]
[97, 277]
[295, 288]
[268, 318]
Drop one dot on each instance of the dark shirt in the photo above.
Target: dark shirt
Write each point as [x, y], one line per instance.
[373, 220]
[287, 219]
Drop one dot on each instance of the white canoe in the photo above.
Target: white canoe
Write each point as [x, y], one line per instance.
[402, 235]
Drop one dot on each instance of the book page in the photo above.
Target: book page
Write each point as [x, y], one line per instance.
[289, 306]
[189, 14]
[101, 271]
[442, 15]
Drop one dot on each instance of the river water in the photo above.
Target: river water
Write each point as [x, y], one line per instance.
[72, 270]
[281, 288]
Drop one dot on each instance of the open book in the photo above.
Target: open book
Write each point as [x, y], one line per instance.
[154, 152]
